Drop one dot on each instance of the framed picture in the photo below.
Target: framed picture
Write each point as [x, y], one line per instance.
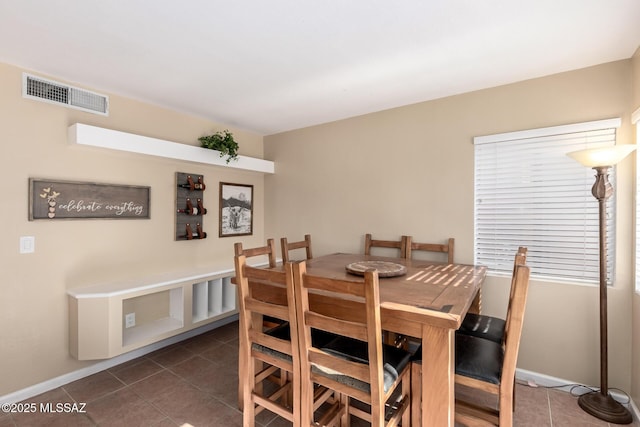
[236, 209]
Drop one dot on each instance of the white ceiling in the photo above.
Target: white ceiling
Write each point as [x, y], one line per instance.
[271, 66]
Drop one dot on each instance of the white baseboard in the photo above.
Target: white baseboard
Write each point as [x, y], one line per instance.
[566, 385]
[53, 383]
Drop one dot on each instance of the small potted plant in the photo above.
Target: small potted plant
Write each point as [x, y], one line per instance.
[223, 142]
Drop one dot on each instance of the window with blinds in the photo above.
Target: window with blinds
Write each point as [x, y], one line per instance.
[528, 192]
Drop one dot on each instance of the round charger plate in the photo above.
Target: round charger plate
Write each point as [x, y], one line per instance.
[385, 268]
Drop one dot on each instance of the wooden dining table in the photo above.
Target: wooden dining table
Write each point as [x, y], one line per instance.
[428, 301]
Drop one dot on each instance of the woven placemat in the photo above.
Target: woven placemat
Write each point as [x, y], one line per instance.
[385, 268]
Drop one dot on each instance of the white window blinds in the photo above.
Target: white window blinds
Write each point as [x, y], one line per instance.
[528, 192]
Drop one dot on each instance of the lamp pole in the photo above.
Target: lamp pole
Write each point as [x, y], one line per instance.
[600, 404]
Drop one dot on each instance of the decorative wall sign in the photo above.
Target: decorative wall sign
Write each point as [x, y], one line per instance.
[53, 200]
[236, 209]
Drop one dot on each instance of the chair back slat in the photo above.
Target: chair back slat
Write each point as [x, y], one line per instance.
[287, 247]
[267, 309]
[278, 344]
[269, 250]
[370, 242]
[339, 327]
[335, 286]
[446, 248]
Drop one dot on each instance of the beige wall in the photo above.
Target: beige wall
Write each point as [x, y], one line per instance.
[33, 305]
[635, 355]
[409, 170]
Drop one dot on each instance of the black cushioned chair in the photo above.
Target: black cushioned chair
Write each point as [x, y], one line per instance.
[486, 365]
[490, 327]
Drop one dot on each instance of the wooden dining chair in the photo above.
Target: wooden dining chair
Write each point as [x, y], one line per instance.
[356, 365]
[490, 327]
[485, 366]
[410, 247]
[478, 362]
[401, 244]
[269, 250]
[390, 338]
[303, 244]
[267, 353]
[446, 248]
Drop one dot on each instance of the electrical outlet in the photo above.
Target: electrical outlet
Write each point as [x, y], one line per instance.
[129, 320]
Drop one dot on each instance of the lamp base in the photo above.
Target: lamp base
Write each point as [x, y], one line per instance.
[604, 407]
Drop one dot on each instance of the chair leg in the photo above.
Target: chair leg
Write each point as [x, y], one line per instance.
[506, 417]
[406, 392]
[288, 398]
[249, 387]
[242, 360]
[306, 407]
[416, 393]
[345, 420]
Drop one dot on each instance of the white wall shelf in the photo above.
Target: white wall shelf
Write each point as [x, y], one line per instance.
[165, 305]
[212, 298]
[82, 134]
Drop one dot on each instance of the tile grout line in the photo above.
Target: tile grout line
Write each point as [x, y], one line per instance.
[148, 402]
[549, 408]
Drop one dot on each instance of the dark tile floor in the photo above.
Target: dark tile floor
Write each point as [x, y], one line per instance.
[194, 383]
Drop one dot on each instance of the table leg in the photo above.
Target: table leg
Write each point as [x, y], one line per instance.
[438, 397]
[476, 304]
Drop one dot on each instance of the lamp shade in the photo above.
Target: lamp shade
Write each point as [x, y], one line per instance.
[604, 156]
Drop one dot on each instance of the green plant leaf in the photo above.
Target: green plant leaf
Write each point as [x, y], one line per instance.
[223, 142]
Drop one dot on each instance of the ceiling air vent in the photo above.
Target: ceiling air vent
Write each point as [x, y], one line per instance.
[40, 89]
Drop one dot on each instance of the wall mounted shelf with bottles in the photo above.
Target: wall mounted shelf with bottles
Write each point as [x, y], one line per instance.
[190, 206]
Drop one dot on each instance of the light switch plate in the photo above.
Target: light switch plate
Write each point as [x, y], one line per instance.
[27, 244]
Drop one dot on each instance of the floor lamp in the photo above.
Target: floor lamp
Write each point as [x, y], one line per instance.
[600, 404]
